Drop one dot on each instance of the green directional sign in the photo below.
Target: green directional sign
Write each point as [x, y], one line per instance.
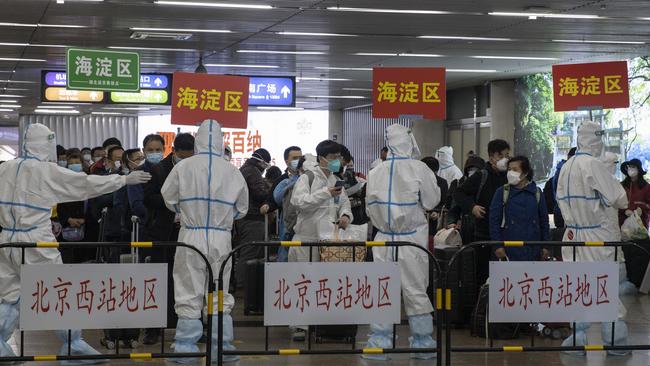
[143, 97]
[103, 70]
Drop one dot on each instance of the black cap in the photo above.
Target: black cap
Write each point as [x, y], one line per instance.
[635, 163]
[262, 154]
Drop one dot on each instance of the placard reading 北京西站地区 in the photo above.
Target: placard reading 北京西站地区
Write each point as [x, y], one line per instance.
[93, 296]
[564, 292]
[590, 86]
[332, 293]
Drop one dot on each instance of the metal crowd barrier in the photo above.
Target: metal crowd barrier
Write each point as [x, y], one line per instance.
[433, 266]
[117, 355]
[450, 348]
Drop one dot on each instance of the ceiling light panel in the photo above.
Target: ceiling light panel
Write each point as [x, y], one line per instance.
[244, 66]
[180, 30]
[392, 11]
[212, 4]
[311, 34]
[273, 52]
[516, 58]
[545, 15]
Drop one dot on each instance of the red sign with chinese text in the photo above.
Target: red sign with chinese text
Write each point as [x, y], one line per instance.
[590, 86]
[410, 91]
[197, 97]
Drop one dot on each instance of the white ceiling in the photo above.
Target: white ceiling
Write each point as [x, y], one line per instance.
[107, 24]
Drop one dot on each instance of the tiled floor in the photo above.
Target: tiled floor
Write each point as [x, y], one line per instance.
[251, 338]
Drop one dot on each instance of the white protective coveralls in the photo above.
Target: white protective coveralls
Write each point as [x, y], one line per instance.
[448, 170]
[588, 194]
[209, 193]
[317, 210]
[399, 192]
[31, 186]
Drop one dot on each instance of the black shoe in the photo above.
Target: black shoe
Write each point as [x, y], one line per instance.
[151, 337]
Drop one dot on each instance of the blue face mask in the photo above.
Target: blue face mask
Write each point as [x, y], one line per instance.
[62, 163]
[75, 167]
[293, 164]
[154, 158]
[334, 165]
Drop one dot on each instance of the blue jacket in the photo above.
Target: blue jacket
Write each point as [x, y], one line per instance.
[526, 220]
[278, 196]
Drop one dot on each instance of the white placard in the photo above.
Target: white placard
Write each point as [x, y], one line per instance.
[300, 293]
[525, 292]
[93, 296]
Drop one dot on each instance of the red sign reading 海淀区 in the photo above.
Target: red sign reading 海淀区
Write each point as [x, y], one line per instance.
[197, 97]
[594, 85]
[409, 91]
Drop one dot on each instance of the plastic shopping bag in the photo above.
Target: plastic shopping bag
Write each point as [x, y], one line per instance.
[633, 228]
[447, 238]
[353, 233]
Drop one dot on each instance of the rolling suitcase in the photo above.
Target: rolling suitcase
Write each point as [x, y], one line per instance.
[462, 282]
[338, 333]
[254, 280]
[129, 337]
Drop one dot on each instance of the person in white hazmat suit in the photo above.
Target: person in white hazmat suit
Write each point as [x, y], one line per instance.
[31, 186]
[586, 192]
[399, 192]
[321, 204]
[209, 193]
[448, 169]
[625, 287]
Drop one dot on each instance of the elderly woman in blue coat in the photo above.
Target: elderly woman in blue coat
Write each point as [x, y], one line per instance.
[518, 213]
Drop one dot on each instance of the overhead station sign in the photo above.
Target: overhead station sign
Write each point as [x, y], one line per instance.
[596, 85]
[103, 70]
[272, 91]
[155, 90]
[409, 92]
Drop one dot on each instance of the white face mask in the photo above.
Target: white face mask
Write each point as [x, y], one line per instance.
[471, 172]
[118, 165]
[502, 165]
[87, 157]
[514, 178]
[632, 172]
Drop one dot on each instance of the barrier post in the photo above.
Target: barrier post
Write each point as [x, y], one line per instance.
[450, 349]
[355, 351]
[117, 356]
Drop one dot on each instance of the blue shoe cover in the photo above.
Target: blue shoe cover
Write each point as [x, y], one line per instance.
[421, 335]
[620, 333]
[78, 347]
[381, 336]
[626, 288]
[228, 337]
[9, 314]
[581, 340]
[188, 333]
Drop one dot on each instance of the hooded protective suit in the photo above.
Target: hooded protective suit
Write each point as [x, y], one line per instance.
[31, 186]
[209, 193]
[589, 195]
[317, 209]
[448, 170]
[399, 192]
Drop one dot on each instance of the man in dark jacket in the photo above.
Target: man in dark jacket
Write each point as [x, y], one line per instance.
[475, 196]
[434, 165]
[159, 223]
[251, 228]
